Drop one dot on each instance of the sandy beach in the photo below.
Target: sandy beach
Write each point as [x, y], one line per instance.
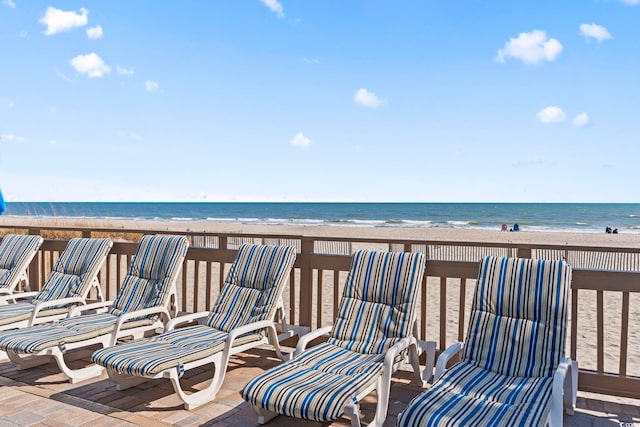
[587, 321]
[439, 234]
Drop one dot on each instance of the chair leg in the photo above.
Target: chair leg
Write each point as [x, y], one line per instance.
[124, 382]
[199, 398]
[429, 348]
[25, 361]
[354, 412]
[264, 415]
[571, 388]
[75, 375]
[272, 335]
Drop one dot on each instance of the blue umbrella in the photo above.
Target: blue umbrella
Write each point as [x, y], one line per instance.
[3, 206]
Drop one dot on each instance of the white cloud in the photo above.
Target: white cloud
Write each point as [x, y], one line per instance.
[91, 65]
[129, 135]
[631, 2]
[299, 140]
[9, 3]
[151, 86]
[58, 20]
[11, 137]
[275, 7]
[95, 32]
[23, 34]
[367, 98]
[582, 120]
[531, 48]
[530, 161]
[124, 71]
[594, 31]
[11, 104]
[551, 115]
[62, 75]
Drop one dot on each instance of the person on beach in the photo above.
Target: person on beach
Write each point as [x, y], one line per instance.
[3, 205]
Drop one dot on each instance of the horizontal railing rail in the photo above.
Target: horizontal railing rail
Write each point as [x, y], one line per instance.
[604, 328]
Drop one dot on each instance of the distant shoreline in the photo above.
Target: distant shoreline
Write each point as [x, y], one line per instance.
[435, 234]
[544, 217]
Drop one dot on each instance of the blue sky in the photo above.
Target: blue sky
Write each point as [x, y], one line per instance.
[309, 100]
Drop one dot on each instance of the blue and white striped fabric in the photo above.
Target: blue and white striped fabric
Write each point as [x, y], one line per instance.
[514, 343]
[253, 287]
[15, 250]
[251, 292]
[76, 267]
[151, 274]
[376, 310]
[71, 276]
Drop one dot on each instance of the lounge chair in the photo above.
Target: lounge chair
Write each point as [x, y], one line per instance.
[512, 370]
[139, 308]
[374, 330]
[16, 252]
[73, 276]
[241, 318]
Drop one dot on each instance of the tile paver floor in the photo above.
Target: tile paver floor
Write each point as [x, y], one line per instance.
[41, 397]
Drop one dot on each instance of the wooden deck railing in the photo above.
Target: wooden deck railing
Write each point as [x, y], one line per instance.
[605, 290]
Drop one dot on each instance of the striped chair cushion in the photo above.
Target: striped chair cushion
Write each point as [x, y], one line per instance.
[467, 395]
[151, 273]
[253, 287]
[14, 249]
[72, 273]
[377, 308]
[71, 330]
[317, 385]
[11, 313]
[172, 349]
[519, 308]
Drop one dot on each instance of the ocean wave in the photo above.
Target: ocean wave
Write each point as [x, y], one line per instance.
[456, 223]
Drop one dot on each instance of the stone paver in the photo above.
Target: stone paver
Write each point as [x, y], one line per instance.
[39, 397]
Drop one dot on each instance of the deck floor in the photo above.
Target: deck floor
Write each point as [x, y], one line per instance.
[41, 397]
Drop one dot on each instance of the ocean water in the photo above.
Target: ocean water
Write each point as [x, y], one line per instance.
[572, 217]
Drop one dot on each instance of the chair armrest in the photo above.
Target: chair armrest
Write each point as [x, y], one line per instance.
[392, 353]
[250, 327]
[41, 305]
[17, 295]
[171, 325]
[445, 356]
[141, 313]
[76, 311]
[307, 338]
[565, 385]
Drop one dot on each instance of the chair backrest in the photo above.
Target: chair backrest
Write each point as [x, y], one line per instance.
[75, 269]
[518, 316]
[253, 287]
[377, 307]
[152, 273]
[16, 251]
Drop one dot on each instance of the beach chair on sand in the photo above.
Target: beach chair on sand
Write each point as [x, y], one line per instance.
[512, 370]
[374, 330]
[16, 252]
[73, 276]
[242, 318]
[139, 308]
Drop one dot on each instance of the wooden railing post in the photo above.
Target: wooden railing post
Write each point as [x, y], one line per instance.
[86, 234]
[523, 252]
[306, 281]
[34, 267]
